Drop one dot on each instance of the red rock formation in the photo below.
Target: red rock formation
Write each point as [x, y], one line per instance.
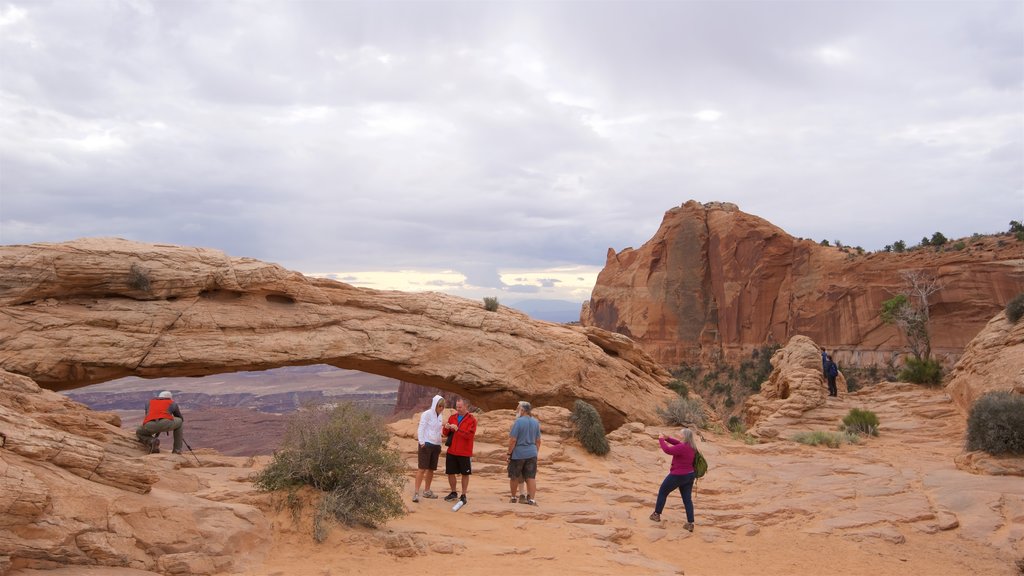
[994, 360]
[717, 282]
[93, 310]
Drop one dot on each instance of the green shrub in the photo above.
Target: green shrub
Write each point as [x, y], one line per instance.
[490, 303]
[938, 239]
[736, 423]
[830, 439]
[1015, 308]
[684, 412]
[679, 387]
[138, 278]
[824, 243]
[959, 245]
[344, 453]
[925, 371]
[996, 423]
[859, 421]
[899, 246]
[589, 428]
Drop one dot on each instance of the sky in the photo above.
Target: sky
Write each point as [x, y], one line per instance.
[501, 148]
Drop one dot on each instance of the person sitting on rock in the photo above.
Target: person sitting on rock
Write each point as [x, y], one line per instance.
[162, 415]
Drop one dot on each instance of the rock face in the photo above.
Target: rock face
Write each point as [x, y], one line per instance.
[92, 310]
[76, 490]
[796, 385]
[993, 361]
[717, 282]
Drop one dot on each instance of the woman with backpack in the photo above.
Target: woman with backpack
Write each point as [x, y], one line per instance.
[680, 474]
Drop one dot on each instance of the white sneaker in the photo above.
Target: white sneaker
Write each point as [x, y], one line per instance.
[415, 497]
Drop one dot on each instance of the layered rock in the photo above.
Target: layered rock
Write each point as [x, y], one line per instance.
[92, 310]
[994, 360]
[716, 282]
[76, 490]
[795, 386]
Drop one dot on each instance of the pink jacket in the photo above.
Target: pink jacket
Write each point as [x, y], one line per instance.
[682, 455]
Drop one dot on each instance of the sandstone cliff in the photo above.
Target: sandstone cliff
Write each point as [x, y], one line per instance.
[717, 282]
[92, 310]
[994, 360]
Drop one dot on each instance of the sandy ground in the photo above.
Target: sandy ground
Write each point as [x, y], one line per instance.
[890, 505]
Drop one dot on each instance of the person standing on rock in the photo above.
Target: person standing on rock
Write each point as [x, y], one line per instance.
[831, 373]
[523, 449]
[429, 436]
[680, 475]
[824, 361]
[460, 429]
[162, 415]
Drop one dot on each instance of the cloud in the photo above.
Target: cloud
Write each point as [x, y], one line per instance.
[370, 139]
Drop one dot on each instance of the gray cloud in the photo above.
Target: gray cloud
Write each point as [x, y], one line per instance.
[490, 136]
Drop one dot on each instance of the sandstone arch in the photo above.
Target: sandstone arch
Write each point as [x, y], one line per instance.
[92, 310]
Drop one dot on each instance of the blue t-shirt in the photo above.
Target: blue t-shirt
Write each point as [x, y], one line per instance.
[526, 431]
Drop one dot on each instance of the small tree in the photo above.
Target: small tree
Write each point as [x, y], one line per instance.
[899, 246]
[824, 243]
[344, 453]
[938, 239]
[589, 428]
[921, 371]
[908, 310]
[490, 303]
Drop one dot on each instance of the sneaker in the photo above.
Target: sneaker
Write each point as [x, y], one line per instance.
[178, 452]
[531, 502]
[655, 516]
[452, 496]
[429, 494]
[688, 526]
[513, 500]
[522, 498]
[154, 448]
[415, 497]
[463, 499]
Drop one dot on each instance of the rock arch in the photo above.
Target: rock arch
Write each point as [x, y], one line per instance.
[92, 310]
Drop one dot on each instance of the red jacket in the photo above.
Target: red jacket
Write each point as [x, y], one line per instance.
[159, 409]
[462, 443]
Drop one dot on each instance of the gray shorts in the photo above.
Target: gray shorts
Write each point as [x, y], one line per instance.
[525, 468]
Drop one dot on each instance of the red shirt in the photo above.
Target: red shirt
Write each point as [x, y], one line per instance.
[462, 443]
[159, 409]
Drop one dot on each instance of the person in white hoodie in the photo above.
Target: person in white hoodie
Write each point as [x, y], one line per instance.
[429, 436]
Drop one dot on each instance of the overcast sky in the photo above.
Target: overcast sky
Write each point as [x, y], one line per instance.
[501, 148]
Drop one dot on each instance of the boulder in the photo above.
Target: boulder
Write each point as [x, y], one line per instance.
[992, 361]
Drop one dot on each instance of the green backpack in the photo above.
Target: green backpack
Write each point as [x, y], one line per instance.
[700, 464]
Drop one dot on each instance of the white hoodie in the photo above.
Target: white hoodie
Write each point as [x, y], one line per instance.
[430, 424]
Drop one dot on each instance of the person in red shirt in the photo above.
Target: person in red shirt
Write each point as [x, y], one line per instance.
[162, 415]
[460, 429]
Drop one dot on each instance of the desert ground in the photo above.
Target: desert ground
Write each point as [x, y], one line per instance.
[892, 504]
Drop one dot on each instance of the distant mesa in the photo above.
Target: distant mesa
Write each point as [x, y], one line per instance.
[715, 282]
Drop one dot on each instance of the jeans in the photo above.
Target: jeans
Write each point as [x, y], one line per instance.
[684, 482]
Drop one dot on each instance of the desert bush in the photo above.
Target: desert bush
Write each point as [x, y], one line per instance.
[491, 303]
[1015, 308]
[938, 239]
[959, 245]
[684, 412]
[679, 387]
[344, 453]
[899, 246]
[859, 421]
[996, 423]
[138, 278]
[738, 431]
[921, 371]
[830, 439]
[589, 429]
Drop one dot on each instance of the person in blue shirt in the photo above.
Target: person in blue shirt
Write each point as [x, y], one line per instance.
[523, 449]
[831, 372]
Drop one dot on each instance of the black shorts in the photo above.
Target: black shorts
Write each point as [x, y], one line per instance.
[428, 455]
[457, 465]
[524, 469]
